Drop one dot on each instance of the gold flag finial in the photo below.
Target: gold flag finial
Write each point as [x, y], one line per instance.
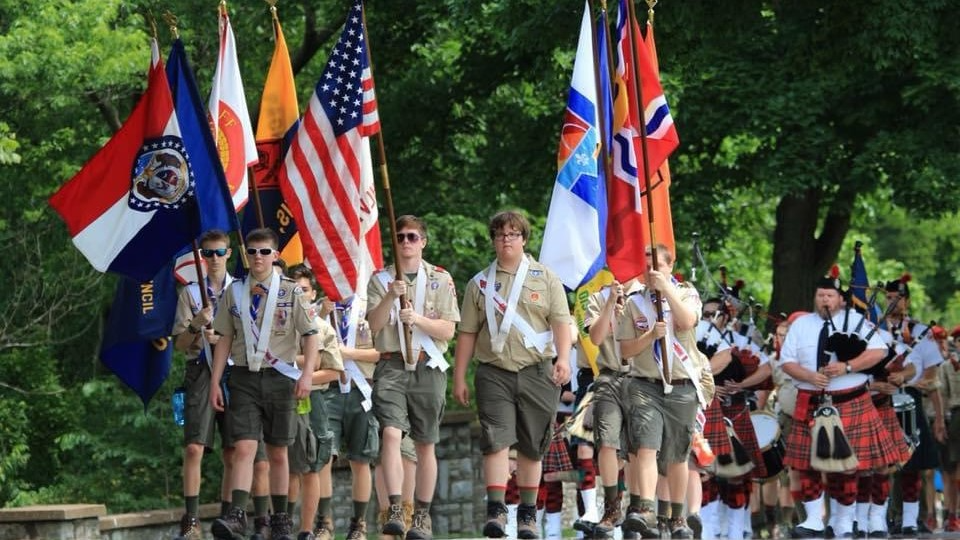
[171, 21]
[650, 5]
[273, 9]
[153, 24]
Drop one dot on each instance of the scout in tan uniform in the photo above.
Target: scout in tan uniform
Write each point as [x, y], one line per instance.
[192, 335]
[261, 321]
[509, 311]
[409, 394]
[609, 414]
[305, 465]
[660, 417]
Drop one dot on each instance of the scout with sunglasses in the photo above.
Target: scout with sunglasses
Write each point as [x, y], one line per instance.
[409, 395]
[261, 322]
[193, 335]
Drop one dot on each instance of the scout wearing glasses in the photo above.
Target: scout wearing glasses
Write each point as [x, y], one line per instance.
[515, 321]
[194, 336]
[409, 394]
[261, 321]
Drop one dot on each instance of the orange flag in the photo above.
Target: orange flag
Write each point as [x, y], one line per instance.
[663, 218]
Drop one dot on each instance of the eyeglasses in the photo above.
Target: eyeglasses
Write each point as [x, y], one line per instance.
[709, 314]
[503, 237]
[209, 253]
[409, 237]
[261, 251]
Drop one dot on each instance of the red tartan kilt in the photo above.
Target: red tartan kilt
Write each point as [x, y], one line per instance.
[715, 430]
[557, 457]
[889, 419]
[743, 427]
[868, 435]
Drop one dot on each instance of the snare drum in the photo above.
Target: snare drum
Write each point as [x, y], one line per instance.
[767, 428]
[906, 409]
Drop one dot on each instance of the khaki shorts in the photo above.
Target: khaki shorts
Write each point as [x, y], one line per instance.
[411, 401]
[608, 424]
[516, 409]
[408, 451]
[302, 454]
[262, 403]
[200, 420]
[660, 421]
[352, 427]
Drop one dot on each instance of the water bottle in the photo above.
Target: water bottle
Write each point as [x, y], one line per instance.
[177, 402]
[303, 405]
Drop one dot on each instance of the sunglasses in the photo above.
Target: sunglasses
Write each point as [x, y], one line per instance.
[409, 237]
[209, 253]
[261, 251]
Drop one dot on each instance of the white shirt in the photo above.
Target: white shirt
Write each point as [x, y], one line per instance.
[925, 352]
[800, 346]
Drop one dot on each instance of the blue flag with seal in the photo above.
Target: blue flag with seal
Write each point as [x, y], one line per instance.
[859, 285]
[574, 237]
[136, 345]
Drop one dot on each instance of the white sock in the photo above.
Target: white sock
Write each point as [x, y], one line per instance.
[814, 511]
[747, 522]
[735, 523]
[911, 510]
[707, 513]
[590, 511]
[553, 527]
[511, 521]
[844, 522]
[863, 516]
[720, 519]
[833, 514]
[878, 518]
[540, 514]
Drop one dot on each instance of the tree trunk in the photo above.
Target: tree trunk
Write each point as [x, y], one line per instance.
[799, 256]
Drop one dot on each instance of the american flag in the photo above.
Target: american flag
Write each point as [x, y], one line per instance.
[320, 178]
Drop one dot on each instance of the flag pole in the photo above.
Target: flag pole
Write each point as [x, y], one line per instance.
[391, 215]
[602, 99]
[642, 128]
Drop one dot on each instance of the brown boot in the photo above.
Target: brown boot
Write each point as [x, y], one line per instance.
[612, 516]
[324, 528]
[230, 526]
[395, 524]
[382, 517]
[281, 526]
[527, 522]
[407, 514]
[422, 526]
[357, 530]
[189, 528]
[496, 525]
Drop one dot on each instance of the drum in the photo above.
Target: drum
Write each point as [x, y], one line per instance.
[767, 428]
[906, 409]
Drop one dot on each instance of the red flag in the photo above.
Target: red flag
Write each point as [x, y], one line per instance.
[321, 174]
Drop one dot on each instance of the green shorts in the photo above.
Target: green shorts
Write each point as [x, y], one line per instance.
[608, 424]
[262, 403]
[408, 451]
[313, 446]
[303, 452]
[351, 427]
[660, 421]
[411, 401]
[200, 420]
[516, 409]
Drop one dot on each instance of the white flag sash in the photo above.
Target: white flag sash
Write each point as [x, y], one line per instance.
[258, 345]
[351, 370]
[421, 341]
[194, 290]
[531, 338]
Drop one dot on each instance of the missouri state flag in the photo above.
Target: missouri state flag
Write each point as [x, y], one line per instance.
[134, 204]
[575, 234]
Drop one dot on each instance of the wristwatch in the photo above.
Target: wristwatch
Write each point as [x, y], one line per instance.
[849, 367]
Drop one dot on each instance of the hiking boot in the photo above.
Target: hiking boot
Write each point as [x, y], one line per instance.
[496, 525]
[323, 529]
[421, 527]
[696, 525]
[357, 530]
[281, 526]
[261, 528]
[189, 528]
[306, 535]
[641, 521]
[407, 514]
[612, 516]
[394, 525]
[678, 528]
[232, 526]
[527, 522]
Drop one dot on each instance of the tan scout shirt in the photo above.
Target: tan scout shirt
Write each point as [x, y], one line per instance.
[949, 386]
[187, 307]
[542, 303]
[440, 302]
[633, 324]
[608, 358]
[329, 357]
[291, 320]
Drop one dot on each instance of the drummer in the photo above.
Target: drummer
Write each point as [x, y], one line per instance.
[816, 370]
[925, 355]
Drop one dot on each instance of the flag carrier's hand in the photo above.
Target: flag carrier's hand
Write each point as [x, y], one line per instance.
[461, 393]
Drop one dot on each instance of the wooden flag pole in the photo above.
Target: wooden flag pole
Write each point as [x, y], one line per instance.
[388, 195]
[642, 128]
[605, 157]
